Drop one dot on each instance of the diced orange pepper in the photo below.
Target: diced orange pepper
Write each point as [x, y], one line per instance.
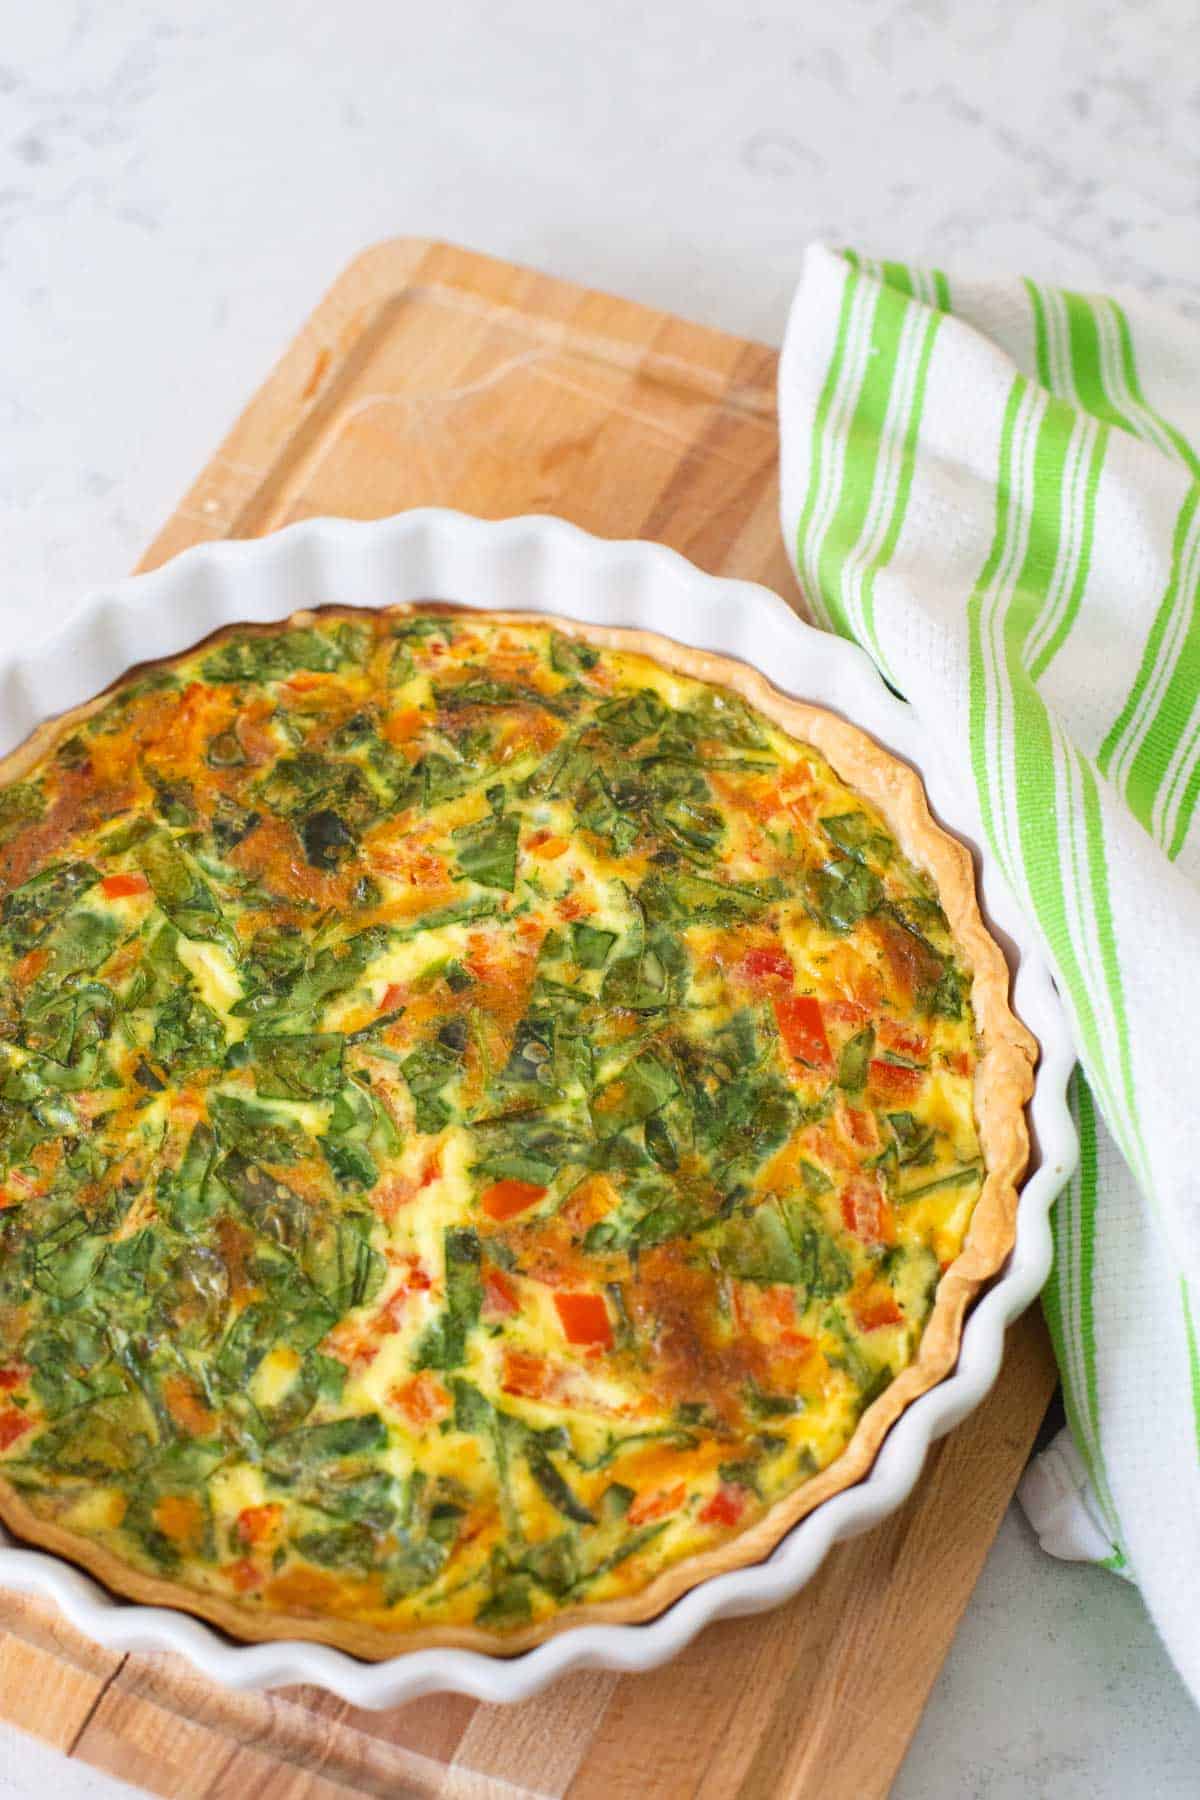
[404, 725]
[186, 1407]
[546, 847]
[422, 1399]
[180, 1518]
[656, 1506]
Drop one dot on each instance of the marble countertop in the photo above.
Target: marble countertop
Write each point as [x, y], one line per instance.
[175, 173]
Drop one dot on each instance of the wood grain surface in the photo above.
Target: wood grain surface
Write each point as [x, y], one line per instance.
[433, 376]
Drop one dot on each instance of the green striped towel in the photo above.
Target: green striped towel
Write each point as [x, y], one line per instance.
[994, 488]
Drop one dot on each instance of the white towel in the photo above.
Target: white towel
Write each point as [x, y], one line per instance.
[995, 488]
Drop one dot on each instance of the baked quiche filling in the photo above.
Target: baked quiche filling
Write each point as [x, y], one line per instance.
[481, 1117]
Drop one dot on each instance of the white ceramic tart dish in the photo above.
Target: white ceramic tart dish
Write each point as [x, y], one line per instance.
[639, 1562]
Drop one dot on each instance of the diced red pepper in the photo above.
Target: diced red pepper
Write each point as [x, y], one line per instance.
[13, 1424]
[527, 1375]
[12, 1377]
[768, 964]
[657, 1505]
[860, 1127]
[119, 887]
[873, 1310]
[866, 1213]
[894, 1081]
[258, 1524]
[505, 1199]
[726, 1506]
[243, 1575]
[500, 1296]
[394, 997]
[802, 1029]
[902, 1040]
[584, 1319]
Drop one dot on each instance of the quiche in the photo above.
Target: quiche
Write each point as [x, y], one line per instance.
[497, 1118]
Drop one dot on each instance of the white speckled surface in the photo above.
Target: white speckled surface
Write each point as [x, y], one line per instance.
[196, 171]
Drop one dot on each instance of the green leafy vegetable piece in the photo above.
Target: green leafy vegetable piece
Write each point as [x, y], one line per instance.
[303, 1065]
[855, 1059]
[352, 1164]
[556, 1489]
[255, 1131]
[80, 942]
[184, 896]
[188, 1034]
[842, 892]
[427, 1070]
[358, 1435]
[185, 1195]
[642, 1086]
[443, 1344]
[571, 656]
[276, 1209]
[956, 1178]
[274, 656]
[487, 852]
[20, 804]
[28, 911]
[590, 946]
[854, 833]
[632, 717]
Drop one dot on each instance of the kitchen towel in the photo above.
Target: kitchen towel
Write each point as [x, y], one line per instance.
[994, 487]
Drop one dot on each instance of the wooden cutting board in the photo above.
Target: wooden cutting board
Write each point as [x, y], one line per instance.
[430, 375]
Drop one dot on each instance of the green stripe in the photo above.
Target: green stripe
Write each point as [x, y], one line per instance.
[1041, 332]
[1073, 1331]
[828, 391]
[862, 454]
[977, 678]
[1180, 444]
[1088, 1187]
[1193, 1357]
[899, 278]
[1186, 813]
[1070, 613]
[1097, 861]
[1083, 339]
[1173, 712]
[904, 481]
